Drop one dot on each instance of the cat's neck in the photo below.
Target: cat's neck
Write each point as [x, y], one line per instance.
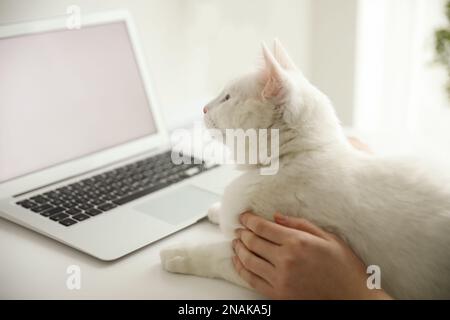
[318, 130]
[301, 142]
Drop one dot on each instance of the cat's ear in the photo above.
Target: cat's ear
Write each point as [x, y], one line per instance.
[282, 56]
[274, 75]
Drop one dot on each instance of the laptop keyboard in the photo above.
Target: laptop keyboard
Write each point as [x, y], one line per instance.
[92, 196]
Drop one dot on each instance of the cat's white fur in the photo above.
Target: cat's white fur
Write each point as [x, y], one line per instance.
[392, 212]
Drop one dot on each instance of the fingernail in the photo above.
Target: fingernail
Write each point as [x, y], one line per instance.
[237, 233]
[233, 243]
[241, 220]
[280, 217]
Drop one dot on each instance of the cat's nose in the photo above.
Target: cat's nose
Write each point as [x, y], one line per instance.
[205, 109]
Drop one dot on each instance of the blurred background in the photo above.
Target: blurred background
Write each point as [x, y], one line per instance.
[375, 59]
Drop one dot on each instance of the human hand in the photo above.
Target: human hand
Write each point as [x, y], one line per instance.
[295, 259]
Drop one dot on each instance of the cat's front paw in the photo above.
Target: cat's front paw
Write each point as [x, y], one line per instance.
[175, 260]
[213, 213]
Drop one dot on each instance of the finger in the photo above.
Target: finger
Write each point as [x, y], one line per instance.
[300, 224]
[252, 279]
[265, 229]
[263, 248]
[253, 263]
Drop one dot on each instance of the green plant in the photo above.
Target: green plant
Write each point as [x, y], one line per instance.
[442, 45]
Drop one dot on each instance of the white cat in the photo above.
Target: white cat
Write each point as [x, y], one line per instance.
[391, 212]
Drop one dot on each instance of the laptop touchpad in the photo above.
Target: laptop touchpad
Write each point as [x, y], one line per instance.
[180, 205]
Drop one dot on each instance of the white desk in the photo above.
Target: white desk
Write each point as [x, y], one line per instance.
[34, 267]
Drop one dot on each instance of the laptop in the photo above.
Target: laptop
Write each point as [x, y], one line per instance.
[85, 158]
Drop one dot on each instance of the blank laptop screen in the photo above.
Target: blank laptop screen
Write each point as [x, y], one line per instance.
[68, 93]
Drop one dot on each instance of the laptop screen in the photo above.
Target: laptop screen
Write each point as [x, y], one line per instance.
[68, 93]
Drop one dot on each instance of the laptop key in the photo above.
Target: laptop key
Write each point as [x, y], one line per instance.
[42, 208]
[68, 205]
[80, 217]
[96, 202]
[39, 199]
[59, 216]
[93, 212]
[85, 206]
[67, 222]
[73, 211]
[26, 204]
[56, 202]
[51, 212]
[107, 206]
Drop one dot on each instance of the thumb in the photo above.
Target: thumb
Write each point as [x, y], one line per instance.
[300, 224]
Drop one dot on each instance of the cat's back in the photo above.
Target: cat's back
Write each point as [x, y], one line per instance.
[402, 210]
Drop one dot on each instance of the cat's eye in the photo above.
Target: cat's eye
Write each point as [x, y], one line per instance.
[227, 97]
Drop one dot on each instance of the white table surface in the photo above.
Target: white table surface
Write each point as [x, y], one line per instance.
[34, 267]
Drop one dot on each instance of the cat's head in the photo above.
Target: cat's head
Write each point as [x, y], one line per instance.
[261, 98]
